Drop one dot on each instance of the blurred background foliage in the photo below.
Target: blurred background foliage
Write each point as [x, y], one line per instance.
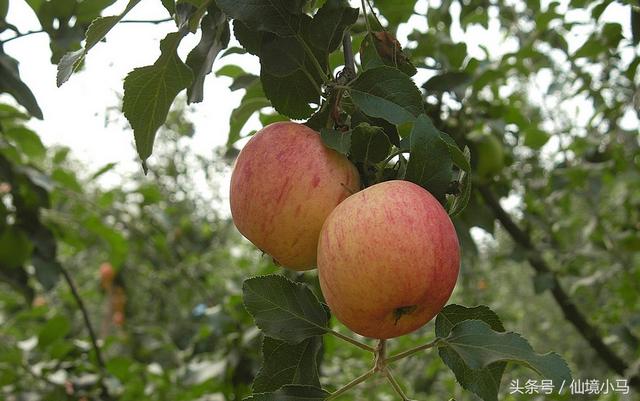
[553, 127]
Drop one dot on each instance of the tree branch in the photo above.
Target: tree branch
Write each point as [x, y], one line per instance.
[21, 35]
[350, 385]
[88, 325]
[569, 309]
[131, 21]
[351, 341]
[347, 48]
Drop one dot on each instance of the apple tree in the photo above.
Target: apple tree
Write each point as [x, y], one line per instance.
[374, 114]
[338, 69]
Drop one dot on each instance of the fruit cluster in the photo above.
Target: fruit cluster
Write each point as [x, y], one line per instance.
[387, 256]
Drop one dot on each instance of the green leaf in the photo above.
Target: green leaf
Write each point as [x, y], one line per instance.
[453, 314]
[103, 170]
[270, 118]
[89, 10]
[357, 117]
[591, 49]
[283, 309]
[336, 140]
[479, 346]
[243, 82]
[369, 144]
[54, 329]
[252, 102]
[284, 363]
[369, 57]
[149, 92]
[322, 117]
[27, 141]
[231, 71]
[215, 37]
[329, 24]
[291, 95]
[4, 8]
[11, 83]
[635, 25]
[460, 202]
[233, 50]
[535, 138]
[98, 29]
[281, 57]
[460, 159]
[430, 162]
[387, 93]
[15, 247]
[483, 382]
[448, 82]
[47, 271]
[396, 11]
[282, 17]
[120, 367]
[292, 393]
[248, 38]
[289, 79]
[381, 48]
[170, 6]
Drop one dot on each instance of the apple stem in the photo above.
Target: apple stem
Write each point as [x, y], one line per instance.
[352, 341]
[381, 356]
[395, 384]
[350, 385]
[349, 60]
[412, 351]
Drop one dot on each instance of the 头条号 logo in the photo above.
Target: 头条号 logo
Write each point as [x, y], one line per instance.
[575, 387]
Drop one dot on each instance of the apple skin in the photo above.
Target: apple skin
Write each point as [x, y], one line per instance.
[388, 259]
[284, 184]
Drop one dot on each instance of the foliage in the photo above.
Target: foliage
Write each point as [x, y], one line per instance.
[186, 335]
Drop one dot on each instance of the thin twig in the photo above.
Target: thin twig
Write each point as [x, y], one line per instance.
[21, 35]
[131, 21]
[11, 27]
[366, 18]
[374, 13]
[350, 385]
[412, 351]
[347, 48]
[352, 341]
[396, 385]
[88, 325]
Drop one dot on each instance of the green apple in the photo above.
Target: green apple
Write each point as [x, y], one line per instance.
[490, 156]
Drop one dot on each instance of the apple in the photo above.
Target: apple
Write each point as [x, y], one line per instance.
[388, 259]
[107, 274]
[284, 184]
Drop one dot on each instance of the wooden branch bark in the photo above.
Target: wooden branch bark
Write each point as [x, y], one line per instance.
[568, 307]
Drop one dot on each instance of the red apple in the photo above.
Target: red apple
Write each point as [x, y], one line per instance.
[107, 274]
[388, 259]
[284, 185]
